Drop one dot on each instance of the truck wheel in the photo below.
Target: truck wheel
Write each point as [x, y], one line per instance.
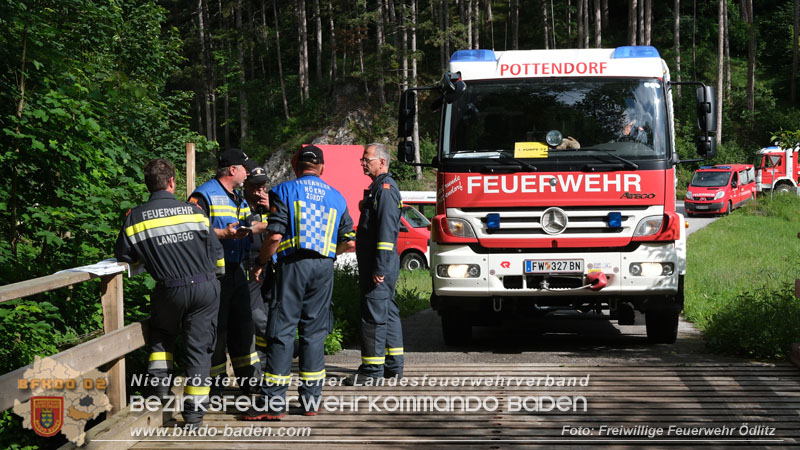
[730, 208]
[662, 325]
[782, 189]
[456, 329]
[412, 261]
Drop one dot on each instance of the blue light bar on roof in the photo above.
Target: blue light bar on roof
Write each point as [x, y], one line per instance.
[473, 55]
[636, 51]
[722, 167]
[706, 167]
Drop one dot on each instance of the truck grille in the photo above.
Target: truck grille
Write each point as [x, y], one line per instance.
[582, 221]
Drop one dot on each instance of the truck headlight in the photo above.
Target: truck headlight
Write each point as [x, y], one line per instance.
[651, 269]
[649, 225]
[719, 195]
[689, 196]
[458, 270]
[460, 228]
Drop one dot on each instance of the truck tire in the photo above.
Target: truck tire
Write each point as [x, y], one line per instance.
[662, 325]
[783, 189]
[456, 329]
[730, 208]
[412, 261]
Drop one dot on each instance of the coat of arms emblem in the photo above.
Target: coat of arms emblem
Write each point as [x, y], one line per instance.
[47, 415]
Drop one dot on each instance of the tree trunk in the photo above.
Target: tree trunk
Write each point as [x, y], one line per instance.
[640, 22]
[243, 116]
[598, 24]
[632, 21]
[515, 24]
[333, 67]
[446, 19]
[676, 31]
[318, 29]
[751, 57]
[727, 53]
[579, 19]
[415, 136]
[586, 23]
[302, 49]
[546, 25]
[720, 65]
[208, 71]
[379, 53]
[361, 62]
[468, 20]
[605, 13]
[648, 20]
[569, 23]
[278, 57]
[403, 16]
[477, 15]
[694, 38]
[793, 79]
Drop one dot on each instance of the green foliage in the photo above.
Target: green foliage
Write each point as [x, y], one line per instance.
[413, 292]
[14, 437]
[29, 329]
[741, 270]
[760, 324]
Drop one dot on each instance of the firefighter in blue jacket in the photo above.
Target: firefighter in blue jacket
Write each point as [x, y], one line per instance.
[181, 252]
[378, 267]
[308, 226]
[224, 204]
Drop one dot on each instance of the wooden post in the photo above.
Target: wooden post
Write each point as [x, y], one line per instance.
[113, 319]
[189, 168]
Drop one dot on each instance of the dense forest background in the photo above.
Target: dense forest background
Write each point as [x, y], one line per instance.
[90, 90]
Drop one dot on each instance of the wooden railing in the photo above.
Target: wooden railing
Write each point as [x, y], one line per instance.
[106, 352]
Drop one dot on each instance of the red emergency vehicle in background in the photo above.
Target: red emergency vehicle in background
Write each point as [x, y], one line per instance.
[720, 189]
[556, 186]
[778, 169]
[343, 171]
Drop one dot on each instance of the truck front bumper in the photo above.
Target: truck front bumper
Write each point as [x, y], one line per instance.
[501, 274]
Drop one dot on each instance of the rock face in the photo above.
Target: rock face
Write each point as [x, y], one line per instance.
[278, 166]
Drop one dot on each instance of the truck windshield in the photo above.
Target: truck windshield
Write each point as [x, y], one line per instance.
[415, 218]
[600, 119]
[710, 179]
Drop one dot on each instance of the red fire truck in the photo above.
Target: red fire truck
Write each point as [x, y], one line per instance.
[556, 187]
[777, 169]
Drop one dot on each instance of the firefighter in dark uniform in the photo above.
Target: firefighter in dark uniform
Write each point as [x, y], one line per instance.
[378, 267]
[228, 211]
[308, 226]
[257, 197]
[181, 252]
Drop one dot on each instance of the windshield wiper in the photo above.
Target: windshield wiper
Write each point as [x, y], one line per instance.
[522, 163]
[626, 164]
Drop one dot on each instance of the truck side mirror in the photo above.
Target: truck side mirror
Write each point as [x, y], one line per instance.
[707, 146]
[405, 151]
[734, 184]
[405, 118]
[452, 87]
[706, 109]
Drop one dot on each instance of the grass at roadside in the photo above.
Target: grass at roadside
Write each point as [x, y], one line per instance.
[740, 279]
[413, 294]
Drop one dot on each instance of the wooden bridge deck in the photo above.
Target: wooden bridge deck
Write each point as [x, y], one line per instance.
[762, 400]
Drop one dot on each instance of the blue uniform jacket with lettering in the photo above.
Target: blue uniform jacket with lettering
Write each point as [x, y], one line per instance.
[223, 210]
[379, 224]
[311, 215]
[173, 239]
